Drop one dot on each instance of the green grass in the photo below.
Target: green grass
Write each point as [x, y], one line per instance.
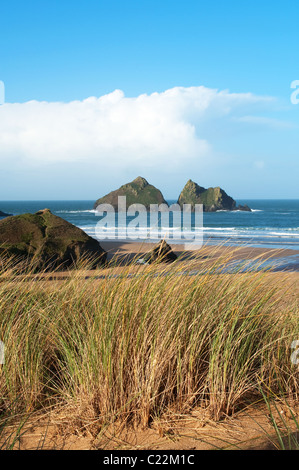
[130, 347]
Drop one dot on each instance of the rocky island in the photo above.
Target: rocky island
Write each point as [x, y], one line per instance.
[48, 240]
[213, 199]
[138, 191]
[3, 214]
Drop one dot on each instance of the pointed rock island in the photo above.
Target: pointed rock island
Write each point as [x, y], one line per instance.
[213, 199]
[50, 241]
[138, 191]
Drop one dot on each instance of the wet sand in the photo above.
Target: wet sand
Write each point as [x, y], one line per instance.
[133, 249]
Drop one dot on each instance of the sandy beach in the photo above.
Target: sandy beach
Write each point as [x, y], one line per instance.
[284, 264]
[131, 249]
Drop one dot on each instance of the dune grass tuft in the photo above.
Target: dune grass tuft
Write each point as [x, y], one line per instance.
[142, 339]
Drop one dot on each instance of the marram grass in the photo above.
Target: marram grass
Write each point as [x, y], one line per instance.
[144, 339]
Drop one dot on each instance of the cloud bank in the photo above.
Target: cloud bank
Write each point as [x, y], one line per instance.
[114, 130]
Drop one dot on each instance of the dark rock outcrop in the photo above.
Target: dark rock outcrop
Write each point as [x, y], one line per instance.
[3, 214]
[49, 241]
[138, 191]
[244, 208]
[161, 253]
[213, 199]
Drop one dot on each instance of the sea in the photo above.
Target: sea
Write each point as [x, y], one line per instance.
[271, 224]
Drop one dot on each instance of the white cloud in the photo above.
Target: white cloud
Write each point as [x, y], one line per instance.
[115, 130]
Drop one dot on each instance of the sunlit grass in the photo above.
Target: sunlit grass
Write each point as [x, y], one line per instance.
[145, 338]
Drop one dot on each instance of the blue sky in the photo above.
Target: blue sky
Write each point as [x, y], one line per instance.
[65, 51]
